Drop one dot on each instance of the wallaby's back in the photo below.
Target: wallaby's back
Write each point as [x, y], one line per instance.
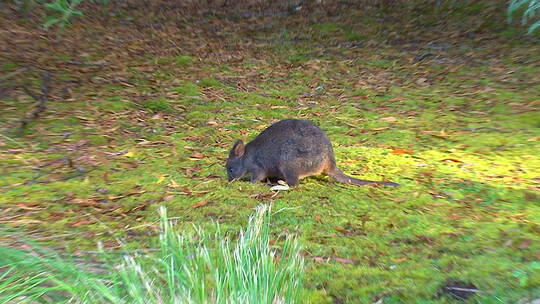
[292, 149]
[292, 145]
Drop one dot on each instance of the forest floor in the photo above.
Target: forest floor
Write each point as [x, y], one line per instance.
[142, 108]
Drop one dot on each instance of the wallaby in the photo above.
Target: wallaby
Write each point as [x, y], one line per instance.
[289, 149]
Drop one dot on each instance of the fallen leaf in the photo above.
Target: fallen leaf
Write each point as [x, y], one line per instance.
[168, 197]
[161, 178]
[346, 261]
[81, 223]
[112, 197]
[199, 204]
[129, 154]
[22, 206]
[173, 184]
[320, 259]
[452, 160]
[106, 177]
[525, 244]
[102, 190]
[282, 186]
[341, 230]
[198, 155]
[421, 81]
[531, 196]
[401, 151]
[454, 216]
[130, 164]
[389, 119]
[279, 188]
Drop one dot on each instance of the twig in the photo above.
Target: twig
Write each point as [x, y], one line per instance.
[422, 56]
[4, 92]
[14, 73]
[94, 63]
[30, 93]
[41, 100]
[66, 160]
[70, 164]
[463, 289]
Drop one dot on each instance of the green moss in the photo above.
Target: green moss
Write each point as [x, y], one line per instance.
[187, 89]
[183, 60]
[327, 27]
[115, 104]
[178, 60]
[157, 105]
[63, 57]
[113, 88]
[8, 66]
[381, 63]
[297, 58]
[97, 140]
[210, 82]
[352, 36]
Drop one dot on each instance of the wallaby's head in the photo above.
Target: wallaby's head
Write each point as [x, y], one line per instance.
[235, 163]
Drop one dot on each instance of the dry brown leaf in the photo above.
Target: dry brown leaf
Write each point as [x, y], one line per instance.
[401, 151]
[524, 244]
[173, 184]
[198, 155]
[346, 261]
[167, 198]
[320, 259]
[81, 223]
[22, 206]
[452, 160]
[199, 204]
[389, 119]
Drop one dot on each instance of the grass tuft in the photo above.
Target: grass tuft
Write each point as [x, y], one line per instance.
[185, 269]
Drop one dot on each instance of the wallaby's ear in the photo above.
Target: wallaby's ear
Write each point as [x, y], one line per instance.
[238, 149]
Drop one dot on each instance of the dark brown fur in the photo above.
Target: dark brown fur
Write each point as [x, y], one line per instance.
[290, 149]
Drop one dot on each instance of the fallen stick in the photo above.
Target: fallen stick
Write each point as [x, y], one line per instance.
[94, 63]
[41, 100]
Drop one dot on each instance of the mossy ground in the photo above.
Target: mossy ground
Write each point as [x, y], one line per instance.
[459, 130]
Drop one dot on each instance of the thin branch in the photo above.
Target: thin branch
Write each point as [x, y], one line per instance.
[93, 63]
[41, 100]
[463, 289]
[14, 73]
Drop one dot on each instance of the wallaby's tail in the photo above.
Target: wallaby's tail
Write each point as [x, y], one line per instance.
[341, 177]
